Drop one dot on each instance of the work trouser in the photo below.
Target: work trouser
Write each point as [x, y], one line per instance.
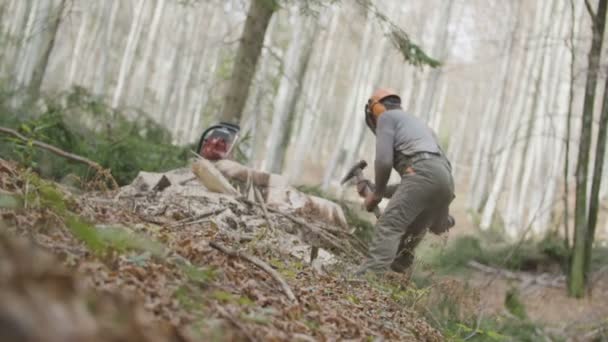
[420, 201]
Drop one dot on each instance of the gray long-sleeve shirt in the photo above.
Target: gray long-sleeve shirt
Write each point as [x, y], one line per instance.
[403, 133]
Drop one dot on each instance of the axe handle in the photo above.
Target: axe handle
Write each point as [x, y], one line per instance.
[369, 189]
[377, 212]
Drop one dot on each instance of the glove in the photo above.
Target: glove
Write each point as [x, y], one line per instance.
[371, 201]
[363, 186]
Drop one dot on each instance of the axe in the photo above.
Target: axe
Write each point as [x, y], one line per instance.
[356, 174]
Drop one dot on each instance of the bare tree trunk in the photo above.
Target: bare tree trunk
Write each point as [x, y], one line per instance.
[566, 174]
[297, 58]
[594, 201]
[440, 52]
[339, 153]
[129, 53]
[111, 9]
[308, 119]
[41, 65]
[78, 47]
[143, 70]
[578, 277]
[175, 68]
[24, 54]
[248, 53]
[457, 140]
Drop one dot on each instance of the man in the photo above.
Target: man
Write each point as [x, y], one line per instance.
[421, 200]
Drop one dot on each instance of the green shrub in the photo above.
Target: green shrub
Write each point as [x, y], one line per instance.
[78, 123]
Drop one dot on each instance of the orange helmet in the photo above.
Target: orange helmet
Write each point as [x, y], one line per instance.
[374, 107]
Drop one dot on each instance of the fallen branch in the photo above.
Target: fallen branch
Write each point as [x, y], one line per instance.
[199, 218]
[260, 199]
[61, 153]
[319, 232]
[226, 315]
[528, 279]
[259, 263]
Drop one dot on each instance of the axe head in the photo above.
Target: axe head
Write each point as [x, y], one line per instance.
[353, 171]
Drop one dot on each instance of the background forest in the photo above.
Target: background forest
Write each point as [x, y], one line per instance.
[518, 99]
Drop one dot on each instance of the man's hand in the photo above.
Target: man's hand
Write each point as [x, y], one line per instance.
[371, 201]
[364, 186]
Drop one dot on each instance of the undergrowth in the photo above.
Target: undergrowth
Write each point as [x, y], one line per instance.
[546, 255]
[79, 123]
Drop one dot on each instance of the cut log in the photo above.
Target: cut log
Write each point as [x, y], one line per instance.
[212, 178]
[281, 196]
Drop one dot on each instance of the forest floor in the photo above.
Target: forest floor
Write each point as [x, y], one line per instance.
[160, 266]
[177, 266]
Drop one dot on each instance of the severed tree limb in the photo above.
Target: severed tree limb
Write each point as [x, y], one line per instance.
[61, 153]
[259, 263]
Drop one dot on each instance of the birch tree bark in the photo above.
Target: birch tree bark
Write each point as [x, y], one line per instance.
[296, 57]
[42, 63]
[309, 112]
[111, 9]
[339, 150]
[129, 53]
[143, 65]
[440, 52]
[78, 47]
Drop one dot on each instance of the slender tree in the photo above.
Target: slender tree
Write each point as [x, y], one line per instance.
[577, 276]
[42, 63]
[129, 52]
[596, 182]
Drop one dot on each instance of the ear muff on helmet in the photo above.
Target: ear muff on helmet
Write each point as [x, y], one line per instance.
[374, 107]
[377, 107]
[370, 120]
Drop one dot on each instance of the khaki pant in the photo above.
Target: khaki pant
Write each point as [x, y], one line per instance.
[420, 201]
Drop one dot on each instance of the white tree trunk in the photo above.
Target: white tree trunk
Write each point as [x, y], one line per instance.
[129, 53]
[143, 70]
[78, 46]
[285, 93]
[110, 10]
[350, 107]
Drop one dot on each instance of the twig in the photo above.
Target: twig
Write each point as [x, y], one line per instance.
[477, 325]
[259, 263]
[313, 229]
[226, 315]
[319, 232]
[199, 218]
[61, 153]
[260, 199]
